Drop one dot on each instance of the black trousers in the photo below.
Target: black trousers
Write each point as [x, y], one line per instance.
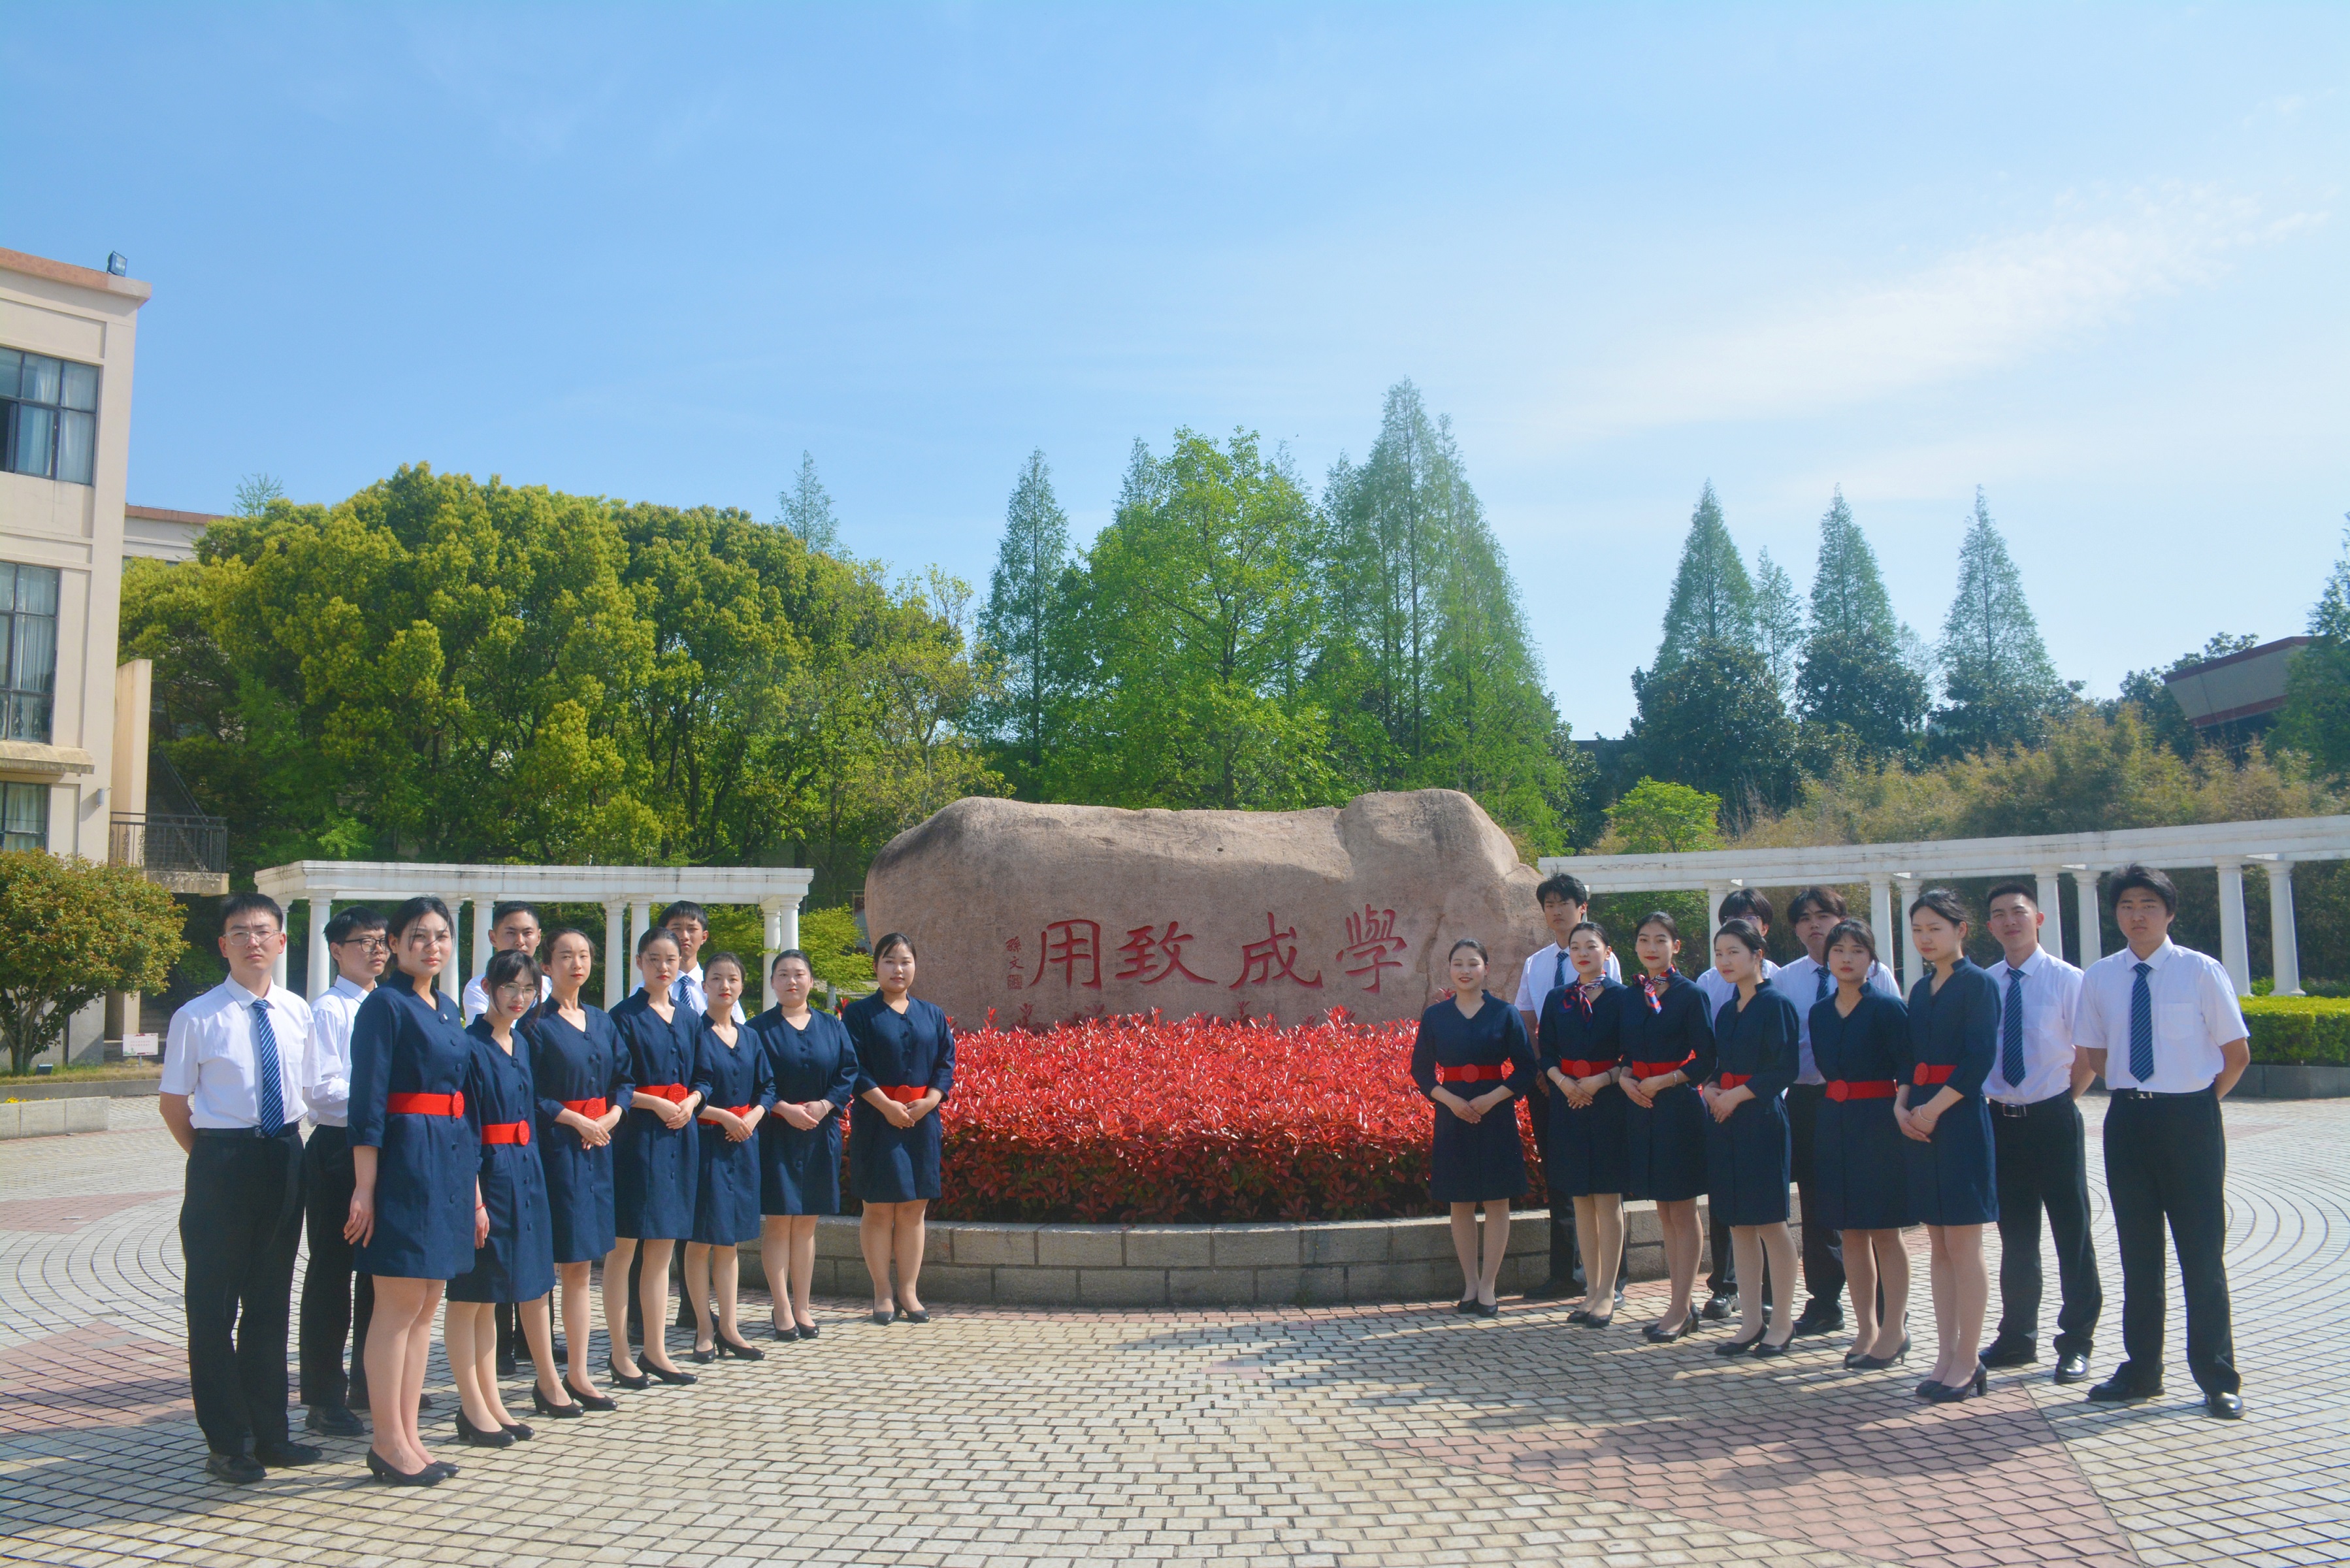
[2166, 1163]
[1823, 1248]
[333, 1311]
[240, 1226]
[1565, 1259]
[2042, 1162]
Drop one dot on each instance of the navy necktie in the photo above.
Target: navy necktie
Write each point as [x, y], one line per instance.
[2011, 1031]
[2142, 1027]
[1820, 993]
[1562, 968]
[269, 1096]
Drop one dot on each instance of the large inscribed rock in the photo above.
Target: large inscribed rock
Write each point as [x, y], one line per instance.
[1044, 913]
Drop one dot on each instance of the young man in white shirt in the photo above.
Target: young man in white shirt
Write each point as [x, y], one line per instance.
[235, 1066]
[2039, 1152]
[2161, 1024]
[356, 939]
[514, 929]
[690, 925]
[1743, 904]
[1806, 982]
[1565, 904]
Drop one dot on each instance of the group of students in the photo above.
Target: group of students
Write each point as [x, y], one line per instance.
[1954, 1109]
[487, 1153]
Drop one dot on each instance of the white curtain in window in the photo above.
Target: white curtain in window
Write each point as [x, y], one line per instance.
[33, 427]
[77, 447]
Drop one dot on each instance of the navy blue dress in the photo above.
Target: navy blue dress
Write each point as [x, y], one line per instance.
[575, 1069]
[1580, 1037]
[1747, 1157]
[516, 1263]
[907, 1051]
[1860, 1166]
[726, 1186]
[402, 1044]
[1474, 1162]
[1953, 1038]
[1664, 1143]
[799, 1170]
[653, 1163]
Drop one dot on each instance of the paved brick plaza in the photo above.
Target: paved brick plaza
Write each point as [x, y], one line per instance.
[1366, 1435]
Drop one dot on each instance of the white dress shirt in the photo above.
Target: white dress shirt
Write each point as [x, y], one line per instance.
[1540, 977]
[1799, 983]
[1719, 990]
[2052, 995]
[2195, 1014]
[209, 1055]
[476, 1001]
[686, 991]
[332, 1017]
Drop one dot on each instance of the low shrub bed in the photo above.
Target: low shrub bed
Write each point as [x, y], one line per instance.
[1133, 1121]
[2298, 1030]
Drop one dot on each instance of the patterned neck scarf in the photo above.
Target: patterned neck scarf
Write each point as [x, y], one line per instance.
[1654, 990]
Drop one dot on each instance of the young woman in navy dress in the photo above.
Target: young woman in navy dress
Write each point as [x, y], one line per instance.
[1474, 1062]
[815, 1069]
[1581, 1047]
[1953, 1037]
[737, 1088]
[580, 1070]
[516, 1262]
[416, 1202]
[1860, 1038]
[1746, 1151]
[653, 1159]
[905, 1069]
[1666, 1035]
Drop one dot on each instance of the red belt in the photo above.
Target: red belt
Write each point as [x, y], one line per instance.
[1472, 1075]
[1735, 1080]
[673, 1093]
[1587, 1069]
[1842, 1089]
[1928, 1073]
[592, 1109]
[729, 1110]
[425, 1105]
[904, 1094]
[1657, 1069]
[505, 1132]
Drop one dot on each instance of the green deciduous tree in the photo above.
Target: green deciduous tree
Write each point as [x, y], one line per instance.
[2315, 721]
[73, 932]
[1997, 684]
[1713, 720]
[1654, 817]
[1713, 599]
[1026, 625]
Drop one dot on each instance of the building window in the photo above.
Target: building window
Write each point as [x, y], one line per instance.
[49, 410]
[28, 652]
[24, 816]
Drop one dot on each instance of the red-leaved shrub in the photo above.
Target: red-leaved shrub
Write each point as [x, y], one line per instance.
[1131, 1119]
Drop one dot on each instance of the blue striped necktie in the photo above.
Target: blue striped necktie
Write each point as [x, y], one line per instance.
[269, 1095]
[1562, 967]
[2142, 1027]
[2011, 1031]
[1820, 993]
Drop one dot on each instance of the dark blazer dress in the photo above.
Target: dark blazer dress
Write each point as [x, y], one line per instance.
[1953, 1039]
[654, 1165]
[1588, 1152]
[576, 1070]
[1859, 1164]
[726, 1186]
[799, 1171]
[402, 1044]
[1664, 1144]
[1474, 1162]
[1748, 1157]
[912, 1051]
[516, 1263]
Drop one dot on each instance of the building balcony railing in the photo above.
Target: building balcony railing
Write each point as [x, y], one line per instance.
[186, 854]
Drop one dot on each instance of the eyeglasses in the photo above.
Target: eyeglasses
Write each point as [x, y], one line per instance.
[252, 936]
[517, 993]
[365, 944]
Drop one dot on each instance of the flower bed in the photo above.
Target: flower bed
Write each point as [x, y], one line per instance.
[1134, 1120]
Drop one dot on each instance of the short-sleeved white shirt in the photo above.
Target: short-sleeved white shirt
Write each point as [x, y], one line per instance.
[209, 1055]
[2051, 996]
[1540, 977]
[2195, 1014]
[332, 1017]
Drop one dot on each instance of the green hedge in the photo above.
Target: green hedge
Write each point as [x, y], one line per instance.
[2297, 1030]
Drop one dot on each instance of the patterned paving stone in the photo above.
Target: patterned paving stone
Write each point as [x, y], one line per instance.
[1359, 1436]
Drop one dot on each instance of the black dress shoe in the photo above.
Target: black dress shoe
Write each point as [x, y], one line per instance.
[613, 1370]
[1718, 1306]
[701, 1357]
[335, 1421]
[2072, 1367]
[808, 1331]
[380, 1468]
[675, 1379]
[2010, 1353]
[1738, 1346]
[473, 1436]
[1819, 1317]
[2117, 1390]
[516, 1430]
[286, 1454]
[587, 1401]
[1580, 1314]
[2227, 1406]
[737, 1349]
[922, 1315]
[1972, 1388]
[1656, 1334]
[1763, 1349]
[1552, 1290]
[507, 1365]
[1465, 1306]
[553, 1411]
[237, 1470]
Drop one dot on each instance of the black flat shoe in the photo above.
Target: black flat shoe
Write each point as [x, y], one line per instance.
[587, 1401]
[2114, 1391]
[2227, 1406]
[738, 1350]
[1974, 1387]
[553, 1411]
[623, 1379]
[1718, 1305]
[808, 1331]
[2072, 1367]
[2014, 1353]
[239, 1469]
[674, 1379]
[1740, 1346]
[282, 1454]
[334, 1421]
[1765, 1349]
[381, 1469]
[1657, 1335]
[473, 1436]
[915, 1314]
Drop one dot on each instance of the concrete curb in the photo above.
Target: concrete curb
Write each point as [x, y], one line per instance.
[82, 1088]
[51, 1117]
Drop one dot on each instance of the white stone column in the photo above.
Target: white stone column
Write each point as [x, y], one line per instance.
[643, 923]
[480, 943]
[1880, 915]
[2084, 887]
[2285, 941]
[771, 911]
[615, 951]
[276, 972]
[2235, 941]
[322, 970]
[1715, 892]
[452, 971]
[2050, 900]
[1911, 970]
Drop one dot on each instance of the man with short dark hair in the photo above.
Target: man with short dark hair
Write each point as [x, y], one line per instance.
[687, 921]
[514, 929]
[355, 938]
[234, 1070]
[1722, 1284]
[1565, 904]
[2161, 1023]
[2038, 1148]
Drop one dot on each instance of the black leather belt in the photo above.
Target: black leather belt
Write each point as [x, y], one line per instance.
[2160, 1094]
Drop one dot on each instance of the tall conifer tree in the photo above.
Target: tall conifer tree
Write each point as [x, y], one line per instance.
[807, 510]
[1853, 676]
[1713, 599]
[1024, 621]
[1778, 623]
[1997, 684]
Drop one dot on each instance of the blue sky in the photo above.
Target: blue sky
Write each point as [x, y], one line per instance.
[2091, 259]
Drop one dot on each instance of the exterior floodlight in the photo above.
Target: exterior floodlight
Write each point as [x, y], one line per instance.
[118, 264]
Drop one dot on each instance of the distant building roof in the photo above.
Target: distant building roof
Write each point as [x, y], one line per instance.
[79, 276]
[2240, 686]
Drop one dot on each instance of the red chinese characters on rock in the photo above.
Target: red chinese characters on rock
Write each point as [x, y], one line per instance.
[1074, 948]
[1372, 946]
[1272, 957]
[1151, 957]
[1011, 981]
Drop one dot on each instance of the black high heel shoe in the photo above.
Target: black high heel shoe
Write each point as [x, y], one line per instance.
[517, 1430]
[701, 1357]
[587, 1401]
[473, 1436]
[553, 1411]
[623, 1379]
[922, 1315]
[739, 1351]
[1740, 1346]
[1880, 1363]
[884, 1314]
[1763, 1349]
[674, 1379]
[382, 1469]
[808, 1331]
[1974, 1387]
[1657, 1334]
